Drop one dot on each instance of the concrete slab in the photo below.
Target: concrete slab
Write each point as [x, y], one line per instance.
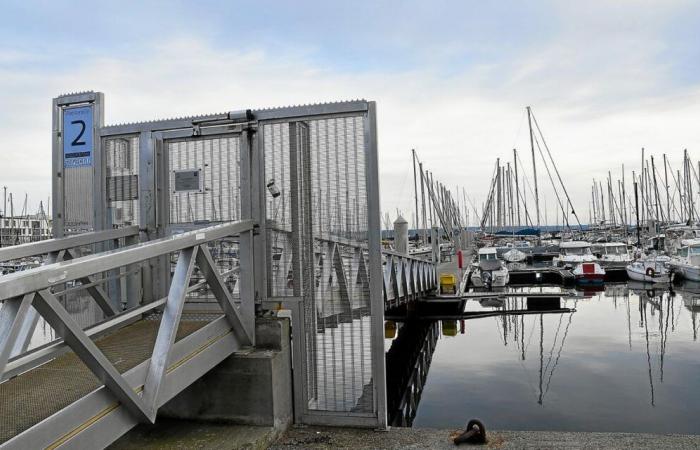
[185, 435]
[421, 438]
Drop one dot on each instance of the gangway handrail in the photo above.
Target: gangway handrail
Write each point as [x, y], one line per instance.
[43, 277]
[57, 244]
[57, 347]
[406, 278]
[32, 289]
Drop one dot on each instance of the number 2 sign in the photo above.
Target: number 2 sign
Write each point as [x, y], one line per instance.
[77, 137]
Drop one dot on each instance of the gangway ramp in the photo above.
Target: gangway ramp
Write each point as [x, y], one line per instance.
[89, 396]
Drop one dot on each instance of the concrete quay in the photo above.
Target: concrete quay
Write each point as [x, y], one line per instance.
[425, 438]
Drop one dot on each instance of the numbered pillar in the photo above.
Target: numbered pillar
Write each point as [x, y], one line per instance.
[77, 178]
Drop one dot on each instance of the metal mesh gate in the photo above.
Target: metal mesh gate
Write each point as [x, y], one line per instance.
[307, 176]
[204, 180]
[323, 161]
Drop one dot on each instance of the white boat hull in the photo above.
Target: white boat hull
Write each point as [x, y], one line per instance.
[686, 270]
[643, 277]
[499, 278]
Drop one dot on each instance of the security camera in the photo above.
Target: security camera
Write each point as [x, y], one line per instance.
[274, 190]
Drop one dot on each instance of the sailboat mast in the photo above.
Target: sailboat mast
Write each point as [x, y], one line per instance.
[689, 189]
[534, 166]
[517, 185]
[636, 211]
[668, 199]
[623, 200]
[422, 195]
[641, 187]
[659, 210]
[593, 203]
[415, 188]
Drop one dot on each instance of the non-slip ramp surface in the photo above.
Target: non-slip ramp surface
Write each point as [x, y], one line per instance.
[39, 393]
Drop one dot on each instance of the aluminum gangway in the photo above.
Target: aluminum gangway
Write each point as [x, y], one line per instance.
[91, 385]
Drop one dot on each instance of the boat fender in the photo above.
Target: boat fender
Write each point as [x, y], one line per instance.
[650, 272]
[474, 434]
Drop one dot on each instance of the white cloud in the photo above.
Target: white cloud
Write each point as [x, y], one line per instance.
[599, 89]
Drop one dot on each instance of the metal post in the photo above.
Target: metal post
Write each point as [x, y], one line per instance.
[246, 246]
[375, 265]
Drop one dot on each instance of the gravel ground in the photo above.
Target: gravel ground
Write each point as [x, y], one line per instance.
[417, 438]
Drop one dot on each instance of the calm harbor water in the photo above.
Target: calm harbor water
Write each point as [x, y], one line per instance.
[626, 360]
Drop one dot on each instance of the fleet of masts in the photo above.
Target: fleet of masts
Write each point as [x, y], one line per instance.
[661, 195]
[657, 195]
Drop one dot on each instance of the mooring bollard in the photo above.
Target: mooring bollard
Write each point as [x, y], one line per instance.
[474, 434]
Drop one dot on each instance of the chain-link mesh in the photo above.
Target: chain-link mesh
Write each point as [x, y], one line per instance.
[324, 161]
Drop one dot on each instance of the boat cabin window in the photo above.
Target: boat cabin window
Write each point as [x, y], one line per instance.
[578, 251]
[683, 252]
[487, 256]
[694, 250]
[616, 250]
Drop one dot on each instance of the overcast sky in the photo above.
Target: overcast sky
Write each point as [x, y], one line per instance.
[451, 79]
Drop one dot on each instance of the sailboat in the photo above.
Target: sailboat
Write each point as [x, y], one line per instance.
[686, 262]
[652, 269]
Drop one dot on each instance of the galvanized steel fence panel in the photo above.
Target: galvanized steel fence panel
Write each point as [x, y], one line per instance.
[323, 161]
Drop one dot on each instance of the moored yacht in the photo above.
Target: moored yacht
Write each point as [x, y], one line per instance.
[589, 273]
[686, 261]
[652, 269]
[612, 254]
[572, 253]
[489, 271]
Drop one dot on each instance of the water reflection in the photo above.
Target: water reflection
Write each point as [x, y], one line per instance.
[621, 359]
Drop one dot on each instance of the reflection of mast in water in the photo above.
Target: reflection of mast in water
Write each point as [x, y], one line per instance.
[561, 347]
[629, 323]
[541, 355]
[522, 337]
[663, 328]
[643, 312]
[695, 327]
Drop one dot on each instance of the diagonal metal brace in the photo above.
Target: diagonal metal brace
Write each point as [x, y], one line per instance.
[207, 267]
[56, 315]
[167, 330]
[96, 292]
[13, 313]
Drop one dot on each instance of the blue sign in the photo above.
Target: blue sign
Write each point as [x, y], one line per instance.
[77, 137]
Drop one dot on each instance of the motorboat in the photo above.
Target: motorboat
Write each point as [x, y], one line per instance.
[652, 269]
[572, 253]
[686, 261]
[489, 271]
[589, 273]
[612, 254]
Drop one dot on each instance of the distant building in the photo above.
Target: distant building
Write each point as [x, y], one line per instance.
[22, 229]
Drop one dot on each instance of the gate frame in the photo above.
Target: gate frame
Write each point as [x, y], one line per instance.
[377, 419]
[153, 180]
